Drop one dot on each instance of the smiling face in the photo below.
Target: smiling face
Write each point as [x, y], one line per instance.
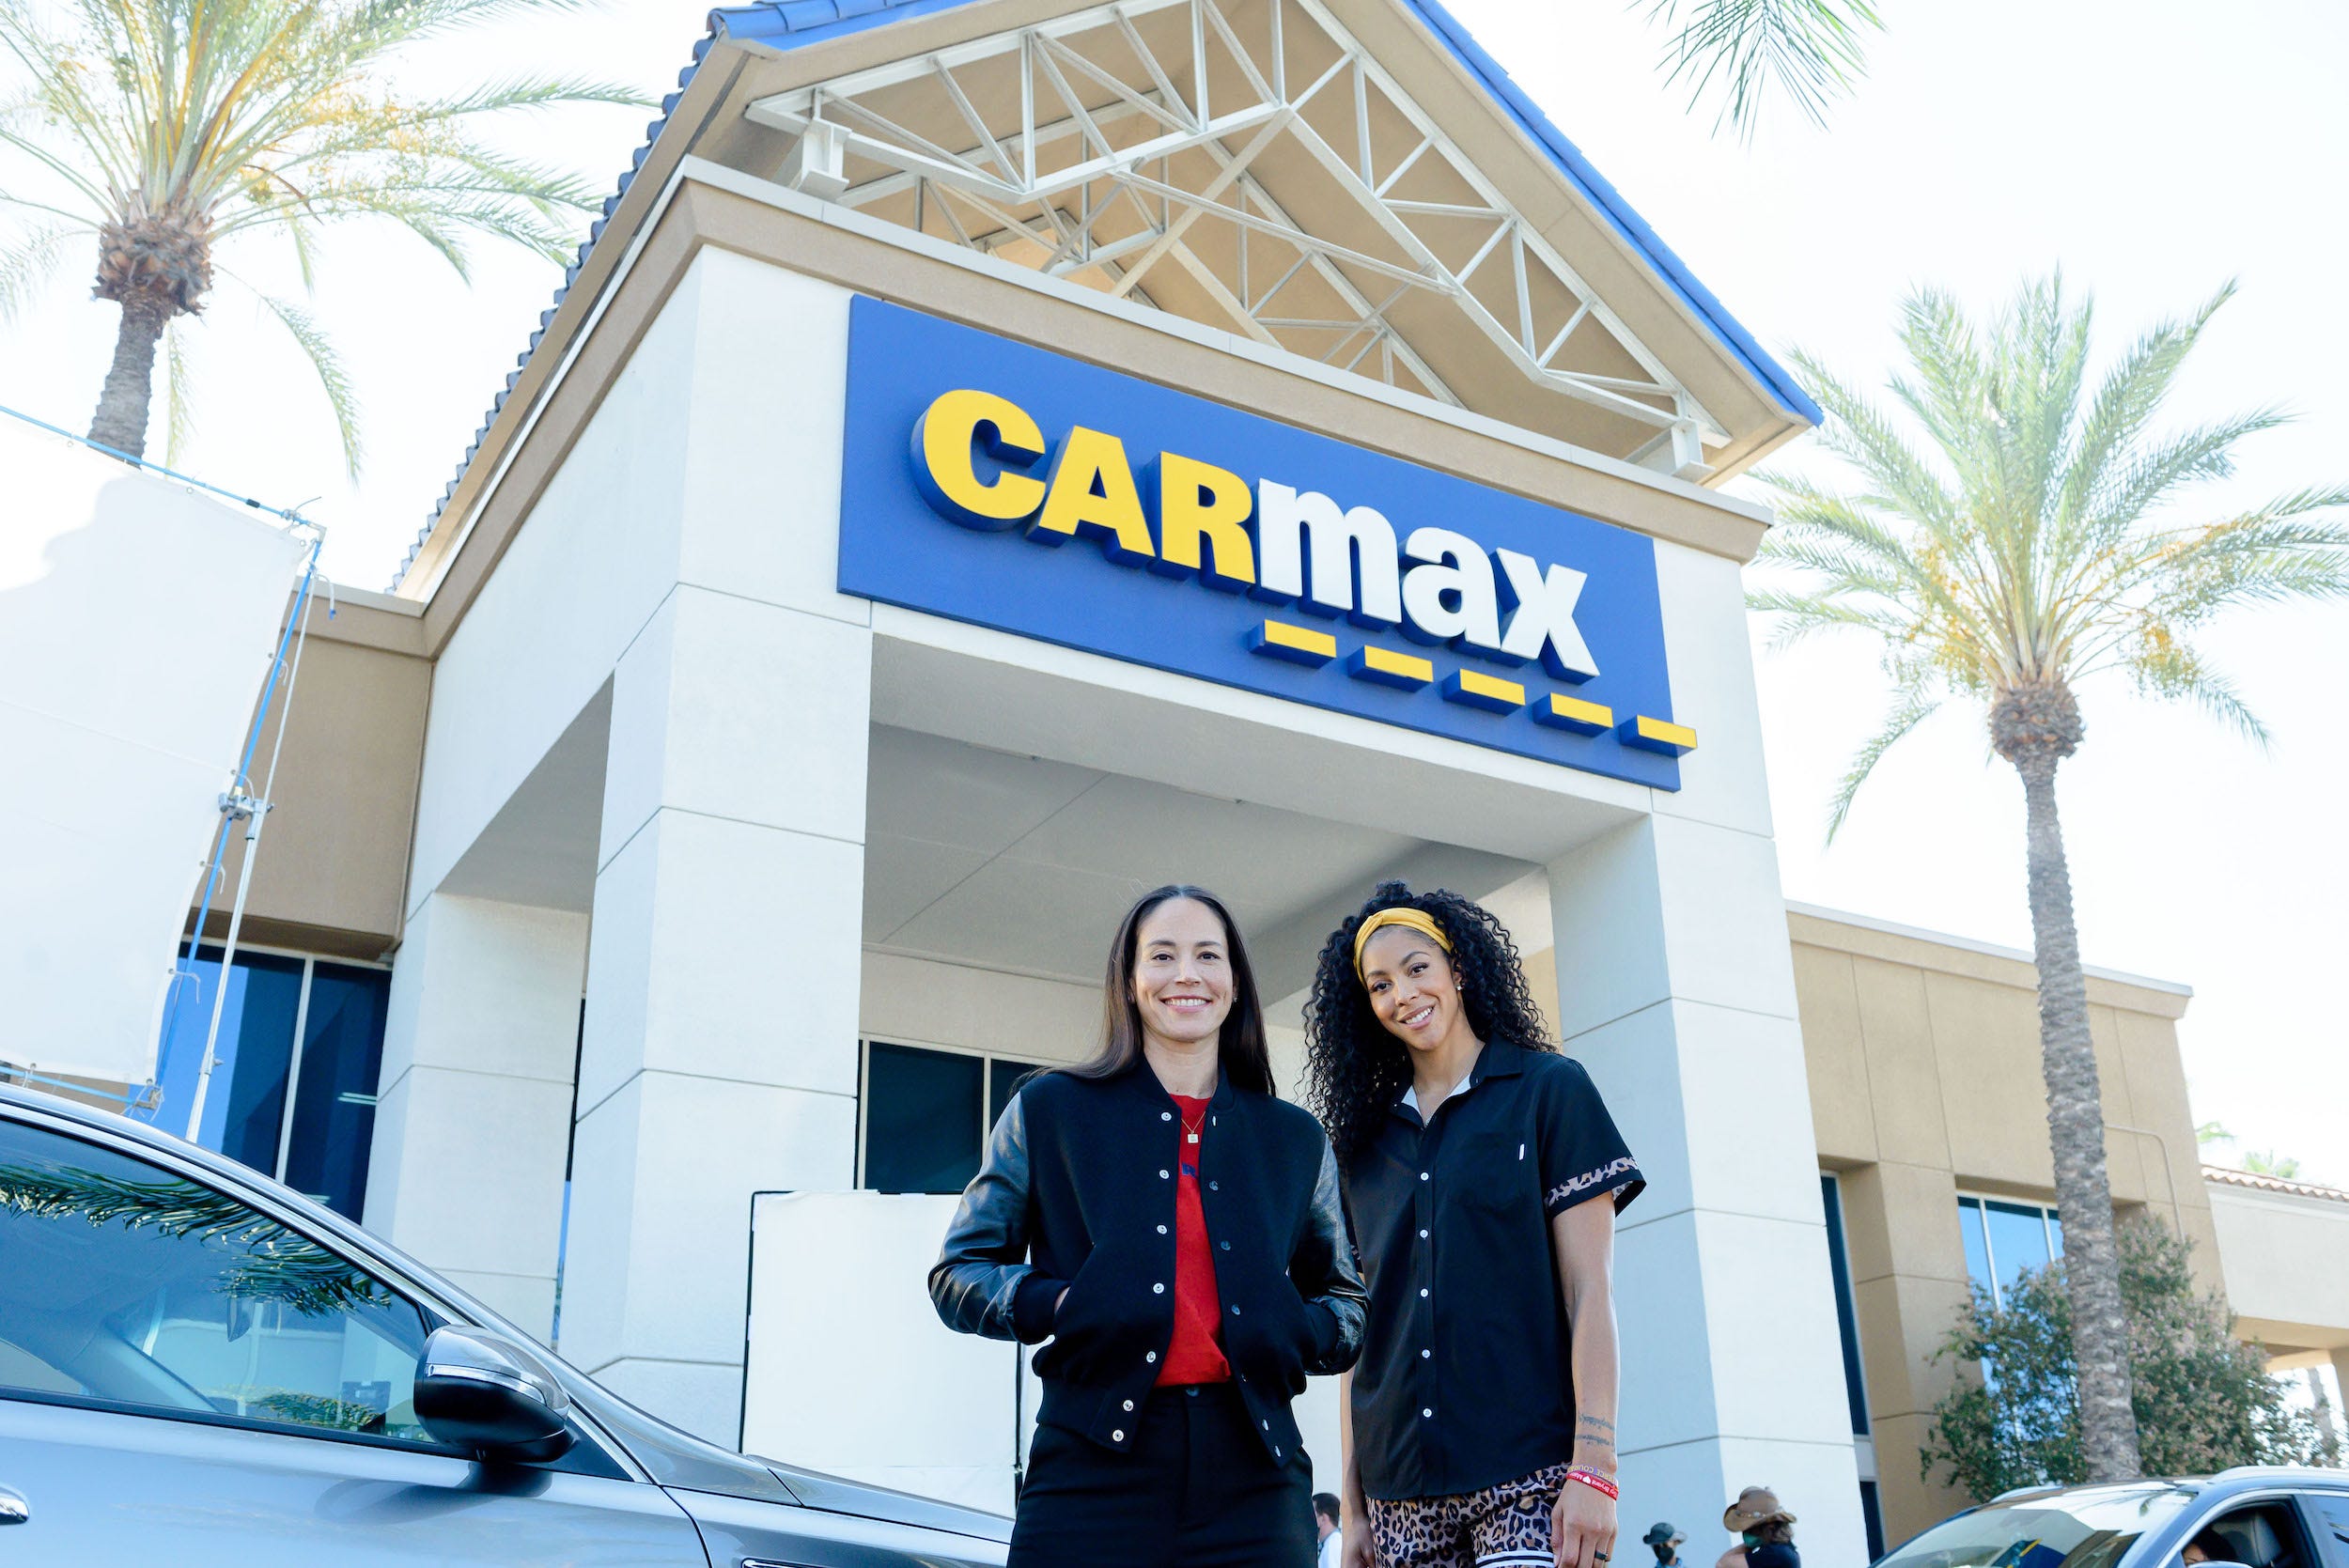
[1412, 986]
[1182, 972]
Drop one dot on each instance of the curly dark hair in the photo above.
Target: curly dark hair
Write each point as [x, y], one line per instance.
[1354, 1069]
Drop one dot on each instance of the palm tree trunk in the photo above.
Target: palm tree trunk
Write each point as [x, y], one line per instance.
[2077, 1135]
[122, 403]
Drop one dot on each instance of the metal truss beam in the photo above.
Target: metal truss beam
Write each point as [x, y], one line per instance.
[1154, 165]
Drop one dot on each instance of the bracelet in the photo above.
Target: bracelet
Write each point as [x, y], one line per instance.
[1595, 1481]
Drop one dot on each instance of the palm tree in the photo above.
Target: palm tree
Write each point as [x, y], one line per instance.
[2041, 543]
[1810, 51]
[166, 128]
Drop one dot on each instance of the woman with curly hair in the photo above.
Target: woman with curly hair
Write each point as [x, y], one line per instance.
[1479, 1423]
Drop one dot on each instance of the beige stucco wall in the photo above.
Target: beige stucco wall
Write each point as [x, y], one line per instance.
[2287, 1266]
[333, 858]
[1922, 1055]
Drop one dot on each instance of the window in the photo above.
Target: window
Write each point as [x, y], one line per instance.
[926, 1114]
[2263, 1535]
[293, 1094]
[1855, 1387]
[2002, 1239]
[133, 1285]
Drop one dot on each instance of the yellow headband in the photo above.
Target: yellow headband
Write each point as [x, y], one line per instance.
[1417, 919]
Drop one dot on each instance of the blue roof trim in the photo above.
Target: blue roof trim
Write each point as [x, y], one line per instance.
[784, 24]
[1608, 200]
[789, 24]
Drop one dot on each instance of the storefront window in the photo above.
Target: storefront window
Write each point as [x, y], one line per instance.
[1855, 1387]
[333, 1110]
[293, 1094]
[2002, 1239]
[926, 1114]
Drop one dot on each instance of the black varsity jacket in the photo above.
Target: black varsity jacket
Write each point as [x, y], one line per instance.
[1077, 1192]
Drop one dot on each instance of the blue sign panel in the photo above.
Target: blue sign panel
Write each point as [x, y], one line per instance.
[1002, 484]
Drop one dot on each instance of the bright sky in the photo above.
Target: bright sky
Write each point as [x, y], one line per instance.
[2151, 148]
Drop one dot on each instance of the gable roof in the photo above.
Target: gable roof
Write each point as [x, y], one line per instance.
[781, 26]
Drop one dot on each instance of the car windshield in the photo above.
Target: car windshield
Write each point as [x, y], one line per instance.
[2090, 1528]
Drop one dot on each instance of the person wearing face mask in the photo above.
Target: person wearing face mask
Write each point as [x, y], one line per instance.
[1177, 1233]
[1482, 1175]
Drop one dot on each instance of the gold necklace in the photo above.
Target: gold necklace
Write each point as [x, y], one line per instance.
[1191, 1132]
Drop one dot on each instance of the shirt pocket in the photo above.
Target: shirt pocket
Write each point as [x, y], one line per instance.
[1499, 1175]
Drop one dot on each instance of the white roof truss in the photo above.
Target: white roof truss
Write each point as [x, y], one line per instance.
[1127, 148]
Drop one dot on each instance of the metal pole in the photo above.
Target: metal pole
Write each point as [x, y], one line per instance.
[257, 813]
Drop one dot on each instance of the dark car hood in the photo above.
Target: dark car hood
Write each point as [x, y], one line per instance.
[835, 1495]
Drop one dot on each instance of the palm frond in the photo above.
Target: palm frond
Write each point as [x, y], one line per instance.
[26, 263]
[2163, 665]
[333, 379]
[179, 392]
[1809, 51]
[1915, 706]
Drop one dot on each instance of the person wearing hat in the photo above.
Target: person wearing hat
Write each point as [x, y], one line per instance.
[1664, 1541]
[1766, 1532]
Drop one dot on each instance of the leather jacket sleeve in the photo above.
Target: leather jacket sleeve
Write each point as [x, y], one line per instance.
[1325, 1275]
[982, 1282]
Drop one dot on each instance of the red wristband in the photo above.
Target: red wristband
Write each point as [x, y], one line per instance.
[1595, 1480]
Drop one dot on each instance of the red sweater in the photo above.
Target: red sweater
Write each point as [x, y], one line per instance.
[1196, 1353]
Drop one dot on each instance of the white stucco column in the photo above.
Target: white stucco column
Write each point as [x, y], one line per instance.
[473, 1106]
[1676, 988]
[721, 1051]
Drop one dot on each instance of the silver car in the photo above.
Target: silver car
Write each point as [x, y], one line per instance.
[199, 1367]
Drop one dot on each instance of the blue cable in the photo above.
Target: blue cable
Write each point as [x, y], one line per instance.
[152, 468]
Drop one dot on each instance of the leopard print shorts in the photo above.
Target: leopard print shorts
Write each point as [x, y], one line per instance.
[1502, 1526]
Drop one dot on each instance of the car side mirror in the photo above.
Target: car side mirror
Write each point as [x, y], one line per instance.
[482, 1391]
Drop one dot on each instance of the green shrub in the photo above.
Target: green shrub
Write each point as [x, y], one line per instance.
[2205, 1400]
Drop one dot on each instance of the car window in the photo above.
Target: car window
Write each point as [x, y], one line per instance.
[2264, 1534]
[2330, 1514]
[131, 1283]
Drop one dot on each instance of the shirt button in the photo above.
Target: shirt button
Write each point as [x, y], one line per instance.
[1423, 1290]
[1157, 1290]
[1425, 1354]
[1215, 1186]
[1166, 1115]
[1152, 1356]
[1423, 1175]
[1162, 1175]
[1117, 1436]
[1427, 1413]
[1130, 1405]
[1267, 1425]
[1162, 1229]
[1423, 1235]
[1227, 1245]
[1235, 1309]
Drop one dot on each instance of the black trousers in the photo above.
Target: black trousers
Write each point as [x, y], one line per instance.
[1198, 1490]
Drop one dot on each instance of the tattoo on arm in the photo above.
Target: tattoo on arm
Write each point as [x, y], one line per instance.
[1595, 1432]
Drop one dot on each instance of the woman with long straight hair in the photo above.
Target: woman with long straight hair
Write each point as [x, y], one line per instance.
[1175, 1231]
[1479, 1424]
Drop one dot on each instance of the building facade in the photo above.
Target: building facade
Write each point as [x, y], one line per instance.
[998, 456]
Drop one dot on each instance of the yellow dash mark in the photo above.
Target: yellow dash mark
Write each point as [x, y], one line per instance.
[1668, 734]
[1319, 644]
[1387, 663]
[1573, 713]
[1499, 690]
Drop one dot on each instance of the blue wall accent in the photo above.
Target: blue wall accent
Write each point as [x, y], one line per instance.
[895, 546]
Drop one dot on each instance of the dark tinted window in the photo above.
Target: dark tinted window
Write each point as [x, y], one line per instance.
[921, 1131]
[129, 1284]
[1846, 1319]
[1004, 1078]
[334, 1112]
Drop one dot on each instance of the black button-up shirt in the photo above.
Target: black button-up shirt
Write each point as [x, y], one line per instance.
[1464, 1379]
